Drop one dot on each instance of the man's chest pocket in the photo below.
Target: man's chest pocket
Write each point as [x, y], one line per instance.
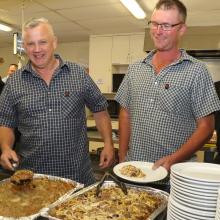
[175, 99]
[72, 104]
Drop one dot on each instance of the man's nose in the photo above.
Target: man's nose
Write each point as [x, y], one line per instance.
[36, 47]
[159, 28]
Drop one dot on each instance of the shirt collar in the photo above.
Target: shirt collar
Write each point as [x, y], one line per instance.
[62, 65]
[184, 57]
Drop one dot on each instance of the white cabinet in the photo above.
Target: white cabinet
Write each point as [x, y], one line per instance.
[127, 49]
[100, 62]
[107, 50]
[120, 49]
[137, 47]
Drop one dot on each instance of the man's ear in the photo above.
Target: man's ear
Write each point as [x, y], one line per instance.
[55, 42]
[183, 29]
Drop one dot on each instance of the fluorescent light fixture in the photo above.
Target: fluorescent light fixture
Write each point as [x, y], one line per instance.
[4, 27]
[134, 8]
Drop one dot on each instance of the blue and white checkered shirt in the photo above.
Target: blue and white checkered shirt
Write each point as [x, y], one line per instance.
[164, 107]
[52, 119]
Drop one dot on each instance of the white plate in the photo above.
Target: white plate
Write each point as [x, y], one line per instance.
[191, 211]
[206, 172]
[193, 189]
[184, 213]
[146, 168]
[173, 215]
[196, 184]
[191, 204]
[178, 216]
[190, 199]
[206, 192]
[193, 195]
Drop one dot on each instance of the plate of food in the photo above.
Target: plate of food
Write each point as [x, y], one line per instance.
[139, 171]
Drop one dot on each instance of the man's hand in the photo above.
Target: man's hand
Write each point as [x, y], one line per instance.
[166, 162]
[7, 157]
[107, 157]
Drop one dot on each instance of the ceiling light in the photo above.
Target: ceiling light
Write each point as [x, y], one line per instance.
[134, 8]
[4, 27]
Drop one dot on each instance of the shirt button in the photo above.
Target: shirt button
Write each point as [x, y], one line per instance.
[151, 100]
[50, 109]
[155, 83]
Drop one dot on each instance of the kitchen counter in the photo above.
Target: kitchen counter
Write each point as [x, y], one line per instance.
[95, 136]
[95, 139]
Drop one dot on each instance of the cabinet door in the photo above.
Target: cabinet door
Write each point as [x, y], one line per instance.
[120, 49]
[100, 62]
[137, 47]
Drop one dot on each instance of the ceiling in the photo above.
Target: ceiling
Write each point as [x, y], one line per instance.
[75, 20]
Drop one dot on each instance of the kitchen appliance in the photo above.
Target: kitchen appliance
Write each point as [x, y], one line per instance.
[116, 80]
[113, 106]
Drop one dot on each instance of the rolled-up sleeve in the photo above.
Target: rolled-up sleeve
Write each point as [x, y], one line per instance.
[95, 101]
[204, 97]
[122, 95]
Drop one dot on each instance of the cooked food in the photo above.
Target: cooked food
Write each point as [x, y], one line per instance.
[112, 203]
[132, 171]
[22, 177]
[25, 200]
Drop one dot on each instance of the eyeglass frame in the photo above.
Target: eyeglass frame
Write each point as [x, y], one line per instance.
[169, 26]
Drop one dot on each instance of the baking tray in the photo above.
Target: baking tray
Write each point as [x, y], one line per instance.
[159, 193]
[63, 197]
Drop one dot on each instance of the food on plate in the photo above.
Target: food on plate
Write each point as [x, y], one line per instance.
[27, 199]
[111, 203]
[21, 177]
[132, 171]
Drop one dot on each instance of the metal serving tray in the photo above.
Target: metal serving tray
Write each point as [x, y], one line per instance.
[62, 198]
[159, 193]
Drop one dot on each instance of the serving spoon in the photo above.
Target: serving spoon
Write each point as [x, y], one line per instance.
[20, 177]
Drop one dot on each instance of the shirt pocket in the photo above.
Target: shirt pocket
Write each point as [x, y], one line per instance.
[72, 104]
[174, 99]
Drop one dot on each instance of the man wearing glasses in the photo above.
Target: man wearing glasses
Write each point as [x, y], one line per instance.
[168, 99]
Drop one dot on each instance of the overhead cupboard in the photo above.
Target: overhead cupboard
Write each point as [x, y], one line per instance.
[111, 54]
[126, 49]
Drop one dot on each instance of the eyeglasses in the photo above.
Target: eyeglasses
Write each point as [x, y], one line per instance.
[164, 26]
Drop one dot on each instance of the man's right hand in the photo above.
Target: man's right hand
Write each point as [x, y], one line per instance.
[7, 157]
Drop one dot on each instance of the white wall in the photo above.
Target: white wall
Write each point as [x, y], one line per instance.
[75, 51]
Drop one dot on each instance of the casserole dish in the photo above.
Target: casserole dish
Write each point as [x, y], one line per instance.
[143, 203]
[26, 201]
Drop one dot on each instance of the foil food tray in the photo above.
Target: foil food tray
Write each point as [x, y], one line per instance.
[162, 195]
[63, 197]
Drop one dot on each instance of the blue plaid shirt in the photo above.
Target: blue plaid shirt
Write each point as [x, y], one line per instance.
[164, 107]
[52, 119]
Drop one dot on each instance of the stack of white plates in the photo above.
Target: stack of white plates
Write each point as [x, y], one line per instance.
[194, 191]
[217, 216]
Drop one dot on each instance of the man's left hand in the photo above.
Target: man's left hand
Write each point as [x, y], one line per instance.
[166, 162]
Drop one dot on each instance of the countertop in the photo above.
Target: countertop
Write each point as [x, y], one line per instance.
[93, 135]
